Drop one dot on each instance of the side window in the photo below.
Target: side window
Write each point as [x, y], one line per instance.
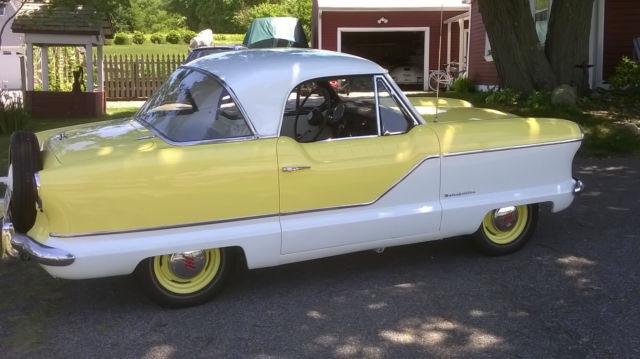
[393, 117]
[331, 108]
[192, 106]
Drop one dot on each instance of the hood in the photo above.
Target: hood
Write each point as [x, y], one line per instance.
[98, 141]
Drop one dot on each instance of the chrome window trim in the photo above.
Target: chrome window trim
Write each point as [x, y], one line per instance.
[377, 94]
[508, 148]
[246, 119]
[397, 99]
[345, 138]
[417, 118]
[354, 205]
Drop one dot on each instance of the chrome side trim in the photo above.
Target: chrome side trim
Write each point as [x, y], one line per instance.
[194, 224]
[517, 147]
[147, 229]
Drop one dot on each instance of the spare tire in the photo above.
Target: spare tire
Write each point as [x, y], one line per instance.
[25, 161]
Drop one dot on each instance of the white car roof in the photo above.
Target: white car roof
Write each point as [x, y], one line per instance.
[262, 79]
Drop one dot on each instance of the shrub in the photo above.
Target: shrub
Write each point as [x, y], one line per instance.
[627, 74]
[173, 37]
[539, 99]
[157, 38]
[138, 38]
[12, 115]
[504, 97]
[187, 35]
[219, 37]
[121, 39]
[462, 85]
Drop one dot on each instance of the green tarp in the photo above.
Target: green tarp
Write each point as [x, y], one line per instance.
[268, 32]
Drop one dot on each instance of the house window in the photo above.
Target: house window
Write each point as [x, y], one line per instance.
[540, 10]
[2, 6]
[487, 49]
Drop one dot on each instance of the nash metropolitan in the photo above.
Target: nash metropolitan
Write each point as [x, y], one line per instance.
[255, 156]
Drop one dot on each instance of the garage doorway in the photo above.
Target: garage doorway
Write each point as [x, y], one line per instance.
[403, 51]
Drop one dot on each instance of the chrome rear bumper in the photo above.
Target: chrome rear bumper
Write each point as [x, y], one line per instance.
[18, 245]
[578, 186]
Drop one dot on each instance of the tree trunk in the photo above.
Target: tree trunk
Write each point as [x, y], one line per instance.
[519, 58]
[567, 43]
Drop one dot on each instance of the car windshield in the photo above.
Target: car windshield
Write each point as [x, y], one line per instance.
[192, 106]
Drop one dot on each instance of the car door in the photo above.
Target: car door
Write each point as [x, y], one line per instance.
[369, 172]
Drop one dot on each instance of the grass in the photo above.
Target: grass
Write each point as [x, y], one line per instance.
[146, 49]
[149, 48]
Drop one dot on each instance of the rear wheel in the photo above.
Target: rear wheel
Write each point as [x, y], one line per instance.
[185, 279]
[505, 230]
[24, 162]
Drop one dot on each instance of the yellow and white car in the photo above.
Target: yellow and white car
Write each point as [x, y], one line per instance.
[253, 156]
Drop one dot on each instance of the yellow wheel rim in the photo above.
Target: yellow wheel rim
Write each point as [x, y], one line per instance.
[502, 236]
[169, 279]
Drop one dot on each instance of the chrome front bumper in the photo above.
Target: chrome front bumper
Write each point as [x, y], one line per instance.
[18, 245]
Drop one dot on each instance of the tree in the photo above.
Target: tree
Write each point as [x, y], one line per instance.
[522, 62]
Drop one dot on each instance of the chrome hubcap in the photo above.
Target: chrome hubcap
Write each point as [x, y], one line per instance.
[505, 218]
[188, 264]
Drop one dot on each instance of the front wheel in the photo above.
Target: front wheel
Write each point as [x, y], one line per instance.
[505, 230]
[185, 279]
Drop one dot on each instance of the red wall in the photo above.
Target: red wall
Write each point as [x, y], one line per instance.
[481, 72]
[621, 26]
[331, 20]
[65, 104]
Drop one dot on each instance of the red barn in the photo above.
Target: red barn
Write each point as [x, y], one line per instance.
[394, 33]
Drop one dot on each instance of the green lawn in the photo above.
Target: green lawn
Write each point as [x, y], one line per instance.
[149, 48]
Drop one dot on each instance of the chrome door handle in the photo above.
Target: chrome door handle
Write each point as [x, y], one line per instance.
[295, 168]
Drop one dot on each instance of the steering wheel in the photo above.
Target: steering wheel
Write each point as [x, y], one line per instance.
[315, 116]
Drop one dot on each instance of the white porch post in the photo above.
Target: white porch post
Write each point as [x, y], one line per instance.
[449, 43]
[29, 67]
[100, 69]
[89, 57]
[44, 59]
[461, 59]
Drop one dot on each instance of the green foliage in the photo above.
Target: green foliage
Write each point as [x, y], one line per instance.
[187, 35]
[12, 116]
[539, 99]
[462, 85]
[627, 74]
[138, 38]
[157, 38]
[291, 8]
[503, 97]
[121, 39]
[173, 37]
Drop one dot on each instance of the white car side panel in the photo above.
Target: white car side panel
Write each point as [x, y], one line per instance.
[474, 184]
[410, 208]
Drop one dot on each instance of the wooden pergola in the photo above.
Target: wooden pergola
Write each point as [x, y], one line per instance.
[45, 27]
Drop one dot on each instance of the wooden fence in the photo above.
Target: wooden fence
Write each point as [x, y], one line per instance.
[137, 77]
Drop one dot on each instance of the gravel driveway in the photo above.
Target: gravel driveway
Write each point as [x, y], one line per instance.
[572, 292]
